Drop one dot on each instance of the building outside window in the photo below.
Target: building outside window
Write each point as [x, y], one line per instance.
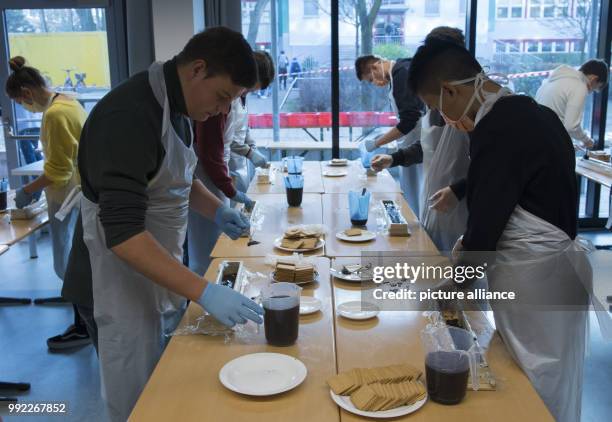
[432, 7]
[311, 8]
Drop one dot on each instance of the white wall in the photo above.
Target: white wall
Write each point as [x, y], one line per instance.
[173, 25]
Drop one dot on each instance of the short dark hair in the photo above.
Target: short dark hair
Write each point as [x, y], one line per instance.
[225, 52]
[447, 33]
[265, 68]
[22, 77]
[437, 61]
[362, 63]
[598, 68]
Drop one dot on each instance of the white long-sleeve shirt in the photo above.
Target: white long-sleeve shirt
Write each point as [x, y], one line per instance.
[565, 92]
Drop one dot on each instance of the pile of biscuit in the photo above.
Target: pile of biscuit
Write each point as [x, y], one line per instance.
[293, 272]
[300, 238]
[381, 388]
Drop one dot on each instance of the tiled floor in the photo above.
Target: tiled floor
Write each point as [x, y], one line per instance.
[73, 377]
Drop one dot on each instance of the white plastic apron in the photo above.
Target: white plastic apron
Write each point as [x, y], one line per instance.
[133, 313]
[411, 177]
[203, 233]
[61, 230]
[237, 131]
[537, 259]
[449, 163]
[430, 137]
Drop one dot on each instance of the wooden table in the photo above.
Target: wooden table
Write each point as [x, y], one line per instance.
[12, 232]
[393, 337]
[278, 216]
[185, 384]
[336, 218]
[598, 173]
[357, 180]
[313, 182]
[33, 169]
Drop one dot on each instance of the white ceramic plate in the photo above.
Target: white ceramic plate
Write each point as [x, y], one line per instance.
[345, 403]
[309, 305]
[338, 164]
[335, 173]
[262, 374]
[357, 310]
[354, 277]
[316, 278]
[278, 241]
[365, 236]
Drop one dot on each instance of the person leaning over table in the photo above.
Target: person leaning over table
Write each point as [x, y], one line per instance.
[521, 198]
[237, 133]
[409, 110]
[566, 90]
[214, 140]
[137, 165]
[62, 121]
[444, 152]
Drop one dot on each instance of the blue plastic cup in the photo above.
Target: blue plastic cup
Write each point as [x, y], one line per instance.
[366, 157]
[294, 187]
[295, 164]
[359, 206]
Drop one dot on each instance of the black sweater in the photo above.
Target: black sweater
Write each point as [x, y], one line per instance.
[520, 155]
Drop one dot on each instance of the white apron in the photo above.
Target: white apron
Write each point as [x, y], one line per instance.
[133, 313]
[61, 230]
[540, 262]
[449, 163]
[236, 131]
[430, 137]
[411, 177]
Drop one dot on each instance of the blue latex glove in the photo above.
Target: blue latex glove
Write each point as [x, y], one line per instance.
[242, 198]
[370, 145]
[232, 222]
[23, 199]
[229, 306]
[257, 158]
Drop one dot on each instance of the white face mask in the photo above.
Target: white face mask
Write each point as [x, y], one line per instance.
[465, 123]
[36, 107]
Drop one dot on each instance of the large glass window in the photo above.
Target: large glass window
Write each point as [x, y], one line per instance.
[553, 32]
[303, 65]
[398, 29]
[68, 46]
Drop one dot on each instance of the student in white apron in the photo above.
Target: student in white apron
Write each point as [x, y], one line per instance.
[135, 235]
[445, 158]
[62, 121]
[521, 196]
[408, 108]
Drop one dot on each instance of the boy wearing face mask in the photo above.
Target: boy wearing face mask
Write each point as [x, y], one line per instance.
[409, 109]
[521, 198]
[62, 122]
[565, 92]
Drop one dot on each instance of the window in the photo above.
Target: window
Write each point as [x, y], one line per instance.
[58, 42]
[462, 7]
[570, 37]
[531, 46]
[509, 9]
[311, 8]
[304, 86]
[514, 47]
[365, 110]
[432, 7]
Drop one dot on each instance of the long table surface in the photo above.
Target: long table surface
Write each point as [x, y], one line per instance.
[311, 170]
[12, 231]
[278, 216]
[599, 173]
[357, 179]
[393, 337]
[336, 217]
[185, 385]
